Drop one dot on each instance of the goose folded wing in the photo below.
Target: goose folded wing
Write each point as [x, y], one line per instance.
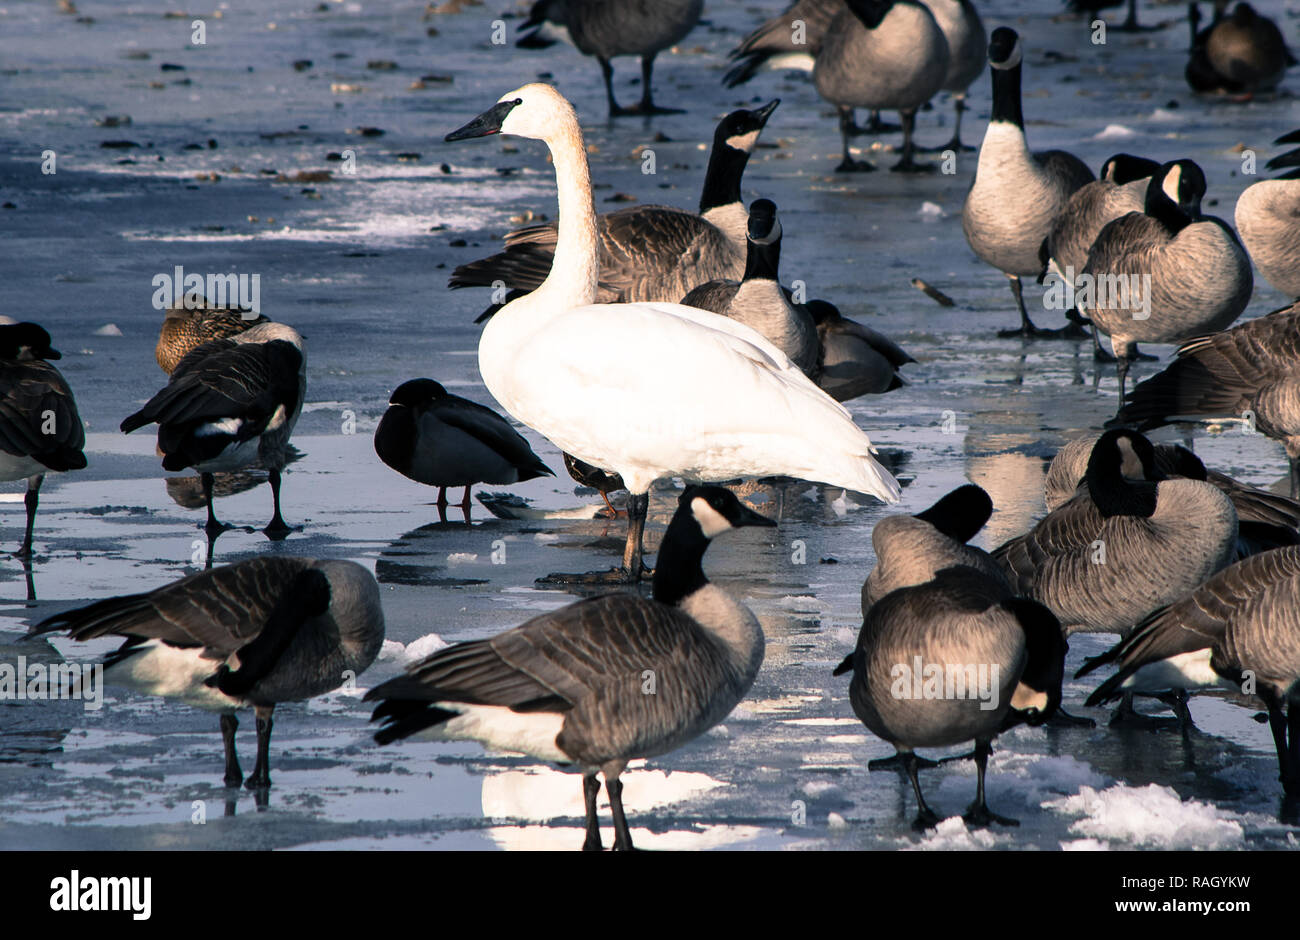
[29, 401]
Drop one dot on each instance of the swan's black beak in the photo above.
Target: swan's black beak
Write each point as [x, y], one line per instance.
[487, 123]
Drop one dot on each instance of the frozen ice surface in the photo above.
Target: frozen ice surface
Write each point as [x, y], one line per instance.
[359, 261]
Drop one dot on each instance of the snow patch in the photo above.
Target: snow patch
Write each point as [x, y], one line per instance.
[1151, 816]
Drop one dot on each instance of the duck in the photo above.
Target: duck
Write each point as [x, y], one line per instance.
[1126, 543]
[881, 55]
[1190, 269]
[1265, 520]
[1247, 372]
[650, 390]
[40, 428]
[187, 325]
[1239, 53]
[853, 359]
[1121, 189]
[1016, 193]
[231, 403]
[443, 440]
[254, 634]
[607, 29]
[1244, 622]
[960, 616]
[597, 479]
[569, 685]
[647, 252]
[1268, 220]
[758, 300]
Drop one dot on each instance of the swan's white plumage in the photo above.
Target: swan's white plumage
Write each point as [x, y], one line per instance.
[653, 390]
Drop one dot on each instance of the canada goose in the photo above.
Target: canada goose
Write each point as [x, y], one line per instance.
[231, 403]
[1123, 545]
[854, 359]
[967, 44]
[444, 440]
[188, 325]
[1268, 221]
[610, 28]
[790, 40]
[570, 685]
[40, 429]
[252, 634]
[961, 618]
[1240, 53]
[1166, 273]
[1120, 190]
[757, 300]
[912, 550]
[1016, 194]
[648, 252]
[583, 374]
[1264, 520]
[1240, 625]
[885, 55]
[1248, 372]
[1094, 7]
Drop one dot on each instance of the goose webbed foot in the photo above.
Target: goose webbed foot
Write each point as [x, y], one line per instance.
[1100, 355]
[908, 165]
[1130, 719]
[1063, 719]
[277, 530]
[849, 165]
[980, 815]
[925, 820]
[896, 763]
[234, 776]
[1028, 330]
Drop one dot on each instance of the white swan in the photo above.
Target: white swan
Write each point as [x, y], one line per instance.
[650, 390]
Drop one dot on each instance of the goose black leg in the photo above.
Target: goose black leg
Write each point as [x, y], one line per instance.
[926, 818]
[875, 125]
[979, 813]
[907, 164]
[260, 778]
[1131, 718]
[1099, 354]
[954, 143]
[214, 526]
[464, 503]
[633, 567]
[1027, 329]
[229, 724]
[607, 71]
[590, 790]
[31, 500]
[276, 529]
[622, 835]
[847, 128]
[647, 105]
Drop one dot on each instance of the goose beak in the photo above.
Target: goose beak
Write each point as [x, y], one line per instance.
[765, 112]
[744, 516]
[51, 354]
[486, 124]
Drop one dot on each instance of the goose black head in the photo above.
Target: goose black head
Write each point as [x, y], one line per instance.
[26, 341]
[1126, 168]
[1038, 694]
[763, 247]
[546, 19]
[1120, 470]
[1178, 461]
[1005, 51]
[703, 513]
[417, 392]
[1243, 14]
[960, 514]
[823, 311]
[734, 140]
[1175, 192]
[740, 130]
[764, 227]
[870, 13]
[715, 509]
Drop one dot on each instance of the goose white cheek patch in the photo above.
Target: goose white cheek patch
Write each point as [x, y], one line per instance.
[711, 521]
[1130, 464]
[1017, 54]
[743, 142]
[1170, 185]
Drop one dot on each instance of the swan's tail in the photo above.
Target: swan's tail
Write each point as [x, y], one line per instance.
[862, 474]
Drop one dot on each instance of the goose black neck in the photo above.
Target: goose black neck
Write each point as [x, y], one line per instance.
[678, 571]
[1006, 96]
[1163, 209]
[722, 178]
[763, 260]
[1114, 495]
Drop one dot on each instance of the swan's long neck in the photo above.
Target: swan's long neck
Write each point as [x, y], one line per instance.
[574, 272]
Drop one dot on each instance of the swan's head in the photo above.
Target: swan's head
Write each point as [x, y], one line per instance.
[1005, 51]
[537, 111]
